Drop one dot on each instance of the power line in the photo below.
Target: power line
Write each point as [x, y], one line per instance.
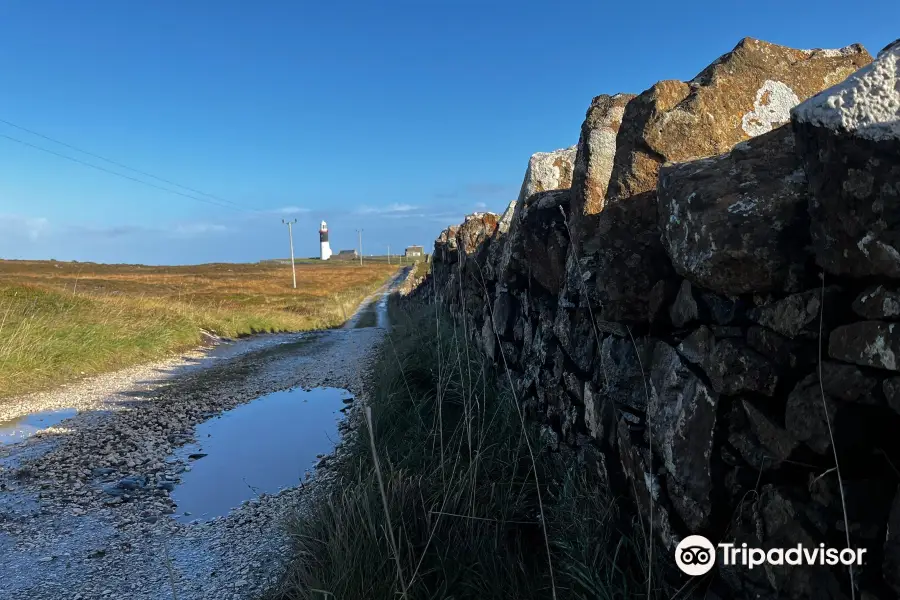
[118, 164]
[122, 175]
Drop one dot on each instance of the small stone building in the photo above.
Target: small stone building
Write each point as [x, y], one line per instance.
[346, 255]
[414, 252]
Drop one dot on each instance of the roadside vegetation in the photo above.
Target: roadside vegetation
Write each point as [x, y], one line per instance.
[422, 269]
[445, 492]
[64, 320]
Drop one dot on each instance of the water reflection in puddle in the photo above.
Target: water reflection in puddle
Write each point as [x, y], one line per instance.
[20, 428]
[262, 446]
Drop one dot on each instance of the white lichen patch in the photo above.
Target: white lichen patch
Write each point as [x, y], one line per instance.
[833, 52]
[879, 353]
[745, 207]
[866, 297]
[866, 103]
[865, 241]
[772, 107]
[544, 172]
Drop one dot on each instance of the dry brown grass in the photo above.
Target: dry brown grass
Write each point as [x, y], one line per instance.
[60, 320]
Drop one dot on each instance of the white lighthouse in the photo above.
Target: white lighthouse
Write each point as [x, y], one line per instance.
[324, 247]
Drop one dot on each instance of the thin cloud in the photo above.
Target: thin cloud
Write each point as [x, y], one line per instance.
[179, 230]
[391, 209]
[289, 210]
[195, 229]
[112, 232]
[31, 227]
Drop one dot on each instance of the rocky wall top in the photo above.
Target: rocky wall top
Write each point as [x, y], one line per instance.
[744, 93]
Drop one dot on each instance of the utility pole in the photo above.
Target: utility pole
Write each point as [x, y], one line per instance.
[359, 234]
[291, 236]
[389, 254]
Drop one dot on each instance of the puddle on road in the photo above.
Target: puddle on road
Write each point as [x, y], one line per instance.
[21, 428]
[263, 446]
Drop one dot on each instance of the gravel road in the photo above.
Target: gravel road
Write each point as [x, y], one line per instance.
[64, 535]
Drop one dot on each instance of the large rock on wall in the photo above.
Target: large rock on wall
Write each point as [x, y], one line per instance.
[867, 343]
[850, 139]
[498, 243]
[620, 260]
[535, 250]
[745, 93]
[596, 151]
[548, 171]
[738, 222]
[682, 415]
[445, 246]
[475, 230]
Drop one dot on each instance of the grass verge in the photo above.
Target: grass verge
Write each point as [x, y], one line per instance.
[450, 509]
[60, 321]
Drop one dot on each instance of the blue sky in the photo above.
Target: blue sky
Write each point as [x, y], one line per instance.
[394, 117]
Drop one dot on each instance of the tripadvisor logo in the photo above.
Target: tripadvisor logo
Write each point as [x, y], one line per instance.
[695, 555]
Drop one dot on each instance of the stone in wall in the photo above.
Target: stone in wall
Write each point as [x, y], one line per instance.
[891, 389]
[738, 222]
[475, 230]
[696, 347]
[798, 315]
[600, 415]
[787, 521]
[504, 313]
[867, 343]
[637, 464]
[538, 241]
[682, 417]
[620, 261]
[758, 437]
[735, 368]
[878, 302]
[684, 309]
[745, 93]
[445, 245]
[594, 158]
[805, 415]
[498, 242]
[849, 136]
[576, 337]
[780, 350]
[548, 171]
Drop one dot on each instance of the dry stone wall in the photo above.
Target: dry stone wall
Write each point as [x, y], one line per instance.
[704, 295]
